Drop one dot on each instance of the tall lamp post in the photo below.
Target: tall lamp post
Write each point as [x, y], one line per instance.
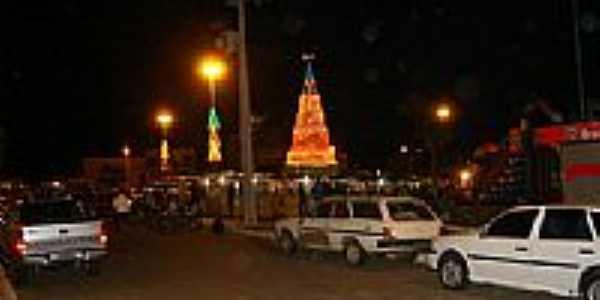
[247, 158]
[213, 69]
[443, 114]
[164, 120]
[126, 153]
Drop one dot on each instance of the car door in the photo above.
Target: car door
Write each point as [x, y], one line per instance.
[564, 243]
[340, 225]
[314, 231]
[501, 252]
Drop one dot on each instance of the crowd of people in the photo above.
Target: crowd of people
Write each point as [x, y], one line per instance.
[162, 208]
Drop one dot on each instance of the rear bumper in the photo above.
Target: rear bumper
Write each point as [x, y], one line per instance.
[71, 255]
[398, 245]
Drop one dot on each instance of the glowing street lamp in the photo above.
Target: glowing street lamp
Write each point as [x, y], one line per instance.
[164, 120]
[465, 176]
[213, 69]
[443, 112]
[126, 153]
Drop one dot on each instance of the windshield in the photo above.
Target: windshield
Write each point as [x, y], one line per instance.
[54, 212]
[408, 211]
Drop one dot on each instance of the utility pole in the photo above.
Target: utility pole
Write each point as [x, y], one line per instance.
[247, 158]
[578, 61]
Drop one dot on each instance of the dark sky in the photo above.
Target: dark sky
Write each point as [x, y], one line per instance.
[81, 78]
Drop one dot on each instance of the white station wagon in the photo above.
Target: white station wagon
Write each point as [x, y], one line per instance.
[545, 248]
[359, 226]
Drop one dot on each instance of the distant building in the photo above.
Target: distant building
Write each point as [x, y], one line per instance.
[115, 171]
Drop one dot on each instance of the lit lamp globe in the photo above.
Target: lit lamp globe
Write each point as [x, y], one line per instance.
[164, 120]
[126, 151]
[443, 112]
[212, 68]
[465, 175]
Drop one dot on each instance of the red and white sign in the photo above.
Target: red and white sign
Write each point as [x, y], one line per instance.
[560, 134]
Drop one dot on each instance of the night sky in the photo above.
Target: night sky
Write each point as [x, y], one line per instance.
[81, 78]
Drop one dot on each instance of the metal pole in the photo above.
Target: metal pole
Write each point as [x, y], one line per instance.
[578, 61]
[250, 216]
[213, 92]
[434, 170]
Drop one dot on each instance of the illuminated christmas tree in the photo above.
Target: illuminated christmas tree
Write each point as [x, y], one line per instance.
[310, 142]
[214, 142]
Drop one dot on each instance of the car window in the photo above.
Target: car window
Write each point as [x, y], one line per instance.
[324, 210]
[53, 212]
[407, 211]
[369, 210]
[340, 210]
[515, 224]
[568, 224]
[596, 221]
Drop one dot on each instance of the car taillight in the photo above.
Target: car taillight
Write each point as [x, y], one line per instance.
[387, 233]
[103, 234]
[19, 244]
[21, 247]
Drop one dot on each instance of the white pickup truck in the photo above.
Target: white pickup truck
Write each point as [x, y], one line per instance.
[49, 233]
[361, 226]
[542, 248]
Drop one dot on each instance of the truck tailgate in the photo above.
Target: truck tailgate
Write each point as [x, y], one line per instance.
[58, 237]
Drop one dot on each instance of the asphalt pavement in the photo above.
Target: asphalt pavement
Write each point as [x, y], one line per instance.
[200, 265]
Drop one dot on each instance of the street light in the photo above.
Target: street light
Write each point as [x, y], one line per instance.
[164, 120]
[213, 69]
[443, 113]
[465, 177]
[245, 127]
[126, 153]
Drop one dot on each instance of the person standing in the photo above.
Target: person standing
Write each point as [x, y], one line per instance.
[231, 198]
[122, 207]
[301, 200]
[318, 191]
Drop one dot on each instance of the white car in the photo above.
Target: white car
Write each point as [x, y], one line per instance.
[541, 248]
[359, 226]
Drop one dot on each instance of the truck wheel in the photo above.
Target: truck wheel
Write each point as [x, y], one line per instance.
[287, 244]
[453, 272]
[354, 254]
[90, 269]
[590, 286]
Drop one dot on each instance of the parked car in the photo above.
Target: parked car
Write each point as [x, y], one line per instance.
[546, 248]
[361, 226]
[51, 233]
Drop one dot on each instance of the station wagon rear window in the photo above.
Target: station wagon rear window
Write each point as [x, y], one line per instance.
[596, 220]
[407, 211]
[367, 210]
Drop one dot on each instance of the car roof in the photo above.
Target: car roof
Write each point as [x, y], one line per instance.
[557, 206]
[373, 199]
